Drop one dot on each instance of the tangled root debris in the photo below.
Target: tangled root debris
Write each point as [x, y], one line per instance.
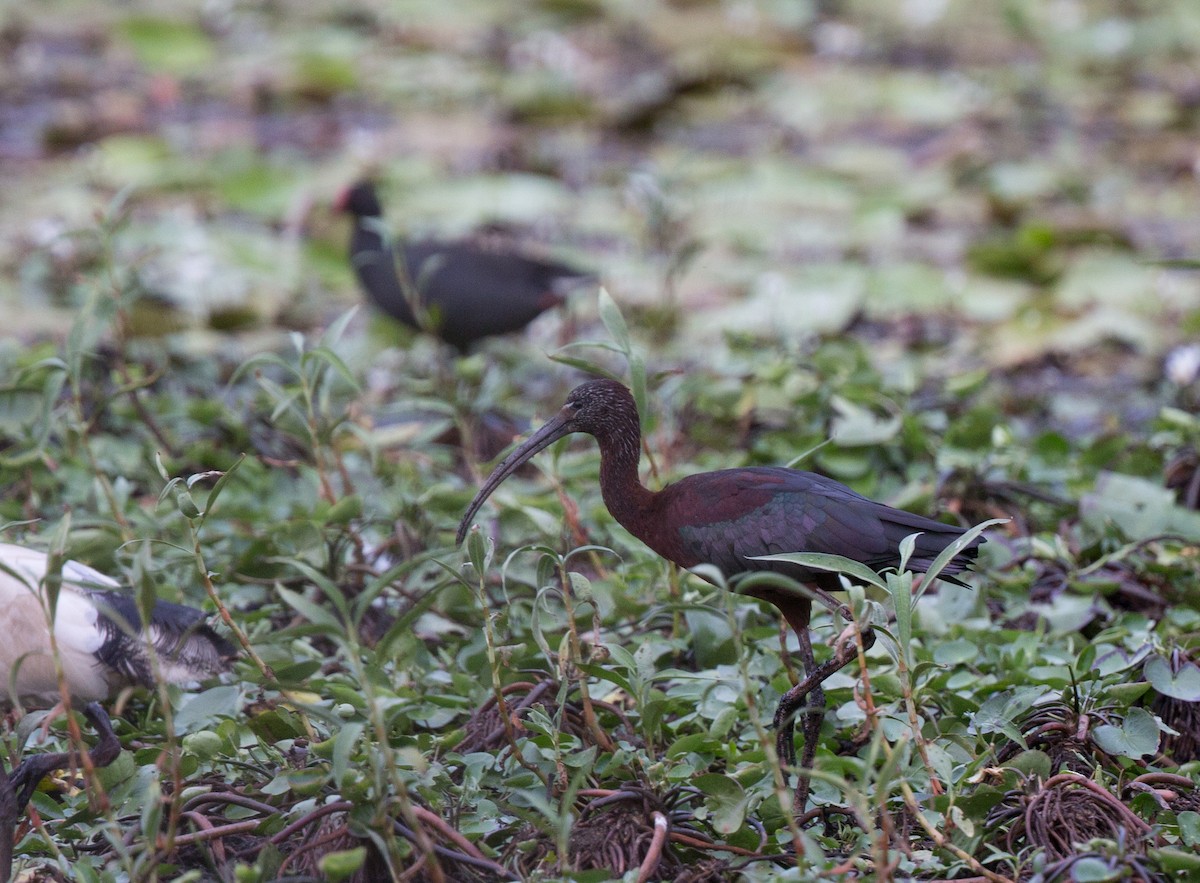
[1063, 814]
[620, 833]
[1064, 734]
[486, 730]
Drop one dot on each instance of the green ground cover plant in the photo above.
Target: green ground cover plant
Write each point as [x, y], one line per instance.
[942, 252]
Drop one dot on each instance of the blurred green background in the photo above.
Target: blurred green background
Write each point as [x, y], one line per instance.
[1010, 170]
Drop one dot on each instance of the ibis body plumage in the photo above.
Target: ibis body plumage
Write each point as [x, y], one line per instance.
[101, 641]
[468, 291]
[98, 632]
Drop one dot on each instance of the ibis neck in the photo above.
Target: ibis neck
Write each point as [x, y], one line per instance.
[624, 495]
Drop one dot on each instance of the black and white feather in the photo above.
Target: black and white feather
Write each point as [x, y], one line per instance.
[99, 635]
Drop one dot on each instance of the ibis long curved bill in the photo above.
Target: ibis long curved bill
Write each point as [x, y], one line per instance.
[561, 424]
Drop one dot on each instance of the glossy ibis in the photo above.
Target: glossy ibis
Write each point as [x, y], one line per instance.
[727, 518]
[462, 291]
[88, 639]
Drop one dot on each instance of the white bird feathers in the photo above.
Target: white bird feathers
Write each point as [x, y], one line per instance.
[98, 634]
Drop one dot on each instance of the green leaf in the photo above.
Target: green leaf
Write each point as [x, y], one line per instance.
[1183, 684]
[123, 769]
[339, 865]
[905, 549]
[857, 426]
[1177, 861]
[207, 708]
[585, 365]
[1091, 870]
[205, 744]
[1136, 737]
[941, 761]
[307, 782]
[899, 587]
[610, 315]
[1189, 827]
[277, 724]
[998, 711]
[343, 748]
[152, 805]
[328, 358]
[1032, 763]
[85, 873]
[314, 613]
[1140, 508]
[637, 385]
[961, 820]
[345, 510]
[1127, 694]
[726, 798]
[822, 561]
[955, 652]
[607, 674]
[330, 588]
[710, 637]
[187, 505]
[949, 553]
[479, 551]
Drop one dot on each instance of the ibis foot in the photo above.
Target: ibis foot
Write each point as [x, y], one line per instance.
[29, 773]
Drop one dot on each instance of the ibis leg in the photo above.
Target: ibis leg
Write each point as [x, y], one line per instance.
[810, 705]
[8, 823]
[798, 613]
[809, 696]
[32, 770]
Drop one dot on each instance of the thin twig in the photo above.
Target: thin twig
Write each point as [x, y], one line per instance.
[230, 797]
[205, 824]
[216, 832]
[940, 839]
[223, 611]
[310, 817]
[700, 843]
[485, 864]
[589, 714]
[316, 843]
[435, 821]
[1101, 792]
